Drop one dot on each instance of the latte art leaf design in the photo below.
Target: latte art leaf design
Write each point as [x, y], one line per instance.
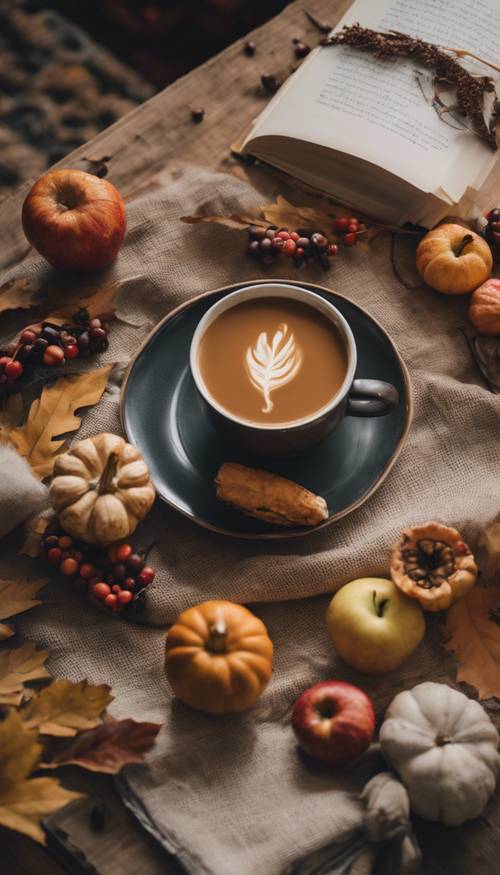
[272, 365]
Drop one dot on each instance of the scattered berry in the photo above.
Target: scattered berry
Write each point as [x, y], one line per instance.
[13, 369]
[135, 563]
[146, 576]
[340, 225]
[68, 567]
[65, 542]
[301, 49]
[53, 355]
[28, 336]
[54, 556]
[269, 83]
[290, 247]
[350, 239]
[197, 115]
[71, 351]
[101, 590]
[111, 600]
[125, 596]
[123, 552]
[250, 48]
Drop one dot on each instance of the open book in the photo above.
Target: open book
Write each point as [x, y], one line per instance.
[360, 128]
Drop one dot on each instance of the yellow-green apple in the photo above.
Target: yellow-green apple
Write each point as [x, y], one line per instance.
[373, 625]
[75, 220]
[334, 722]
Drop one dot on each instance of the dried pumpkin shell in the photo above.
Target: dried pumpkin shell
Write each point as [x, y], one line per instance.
[269, 497]
[432, 563]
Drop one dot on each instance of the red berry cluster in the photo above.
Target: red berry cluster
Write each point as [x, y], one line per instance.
[51, 345]
[302, 245]
[117, 576]
[492, 232]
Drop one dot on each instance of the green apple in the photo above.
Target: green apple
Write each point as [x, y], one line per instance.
[373, 625]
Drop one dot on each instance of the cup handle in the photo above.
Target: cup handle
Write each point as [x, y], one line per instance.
[371, 398]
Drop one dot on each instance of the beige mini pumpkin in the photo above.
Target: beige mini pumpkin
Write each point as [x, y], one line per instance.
[101, 489]
[453, 260]
[484, 309]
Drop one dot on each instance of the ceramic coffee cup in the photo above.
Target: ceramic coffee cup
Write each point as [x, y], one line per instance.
[368, 397]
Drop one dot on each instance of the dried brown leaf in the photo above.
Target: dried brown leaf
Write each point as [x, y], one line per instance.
[285, 215]
[97, 302]
[474, 636]
[23, 801]
[16, 668]
[64, 708]
[34, 528]
[108, 747]
[238, 223]
[53, 414]
[11, 415]
[17, 596]
[5, 632]
[18, 294]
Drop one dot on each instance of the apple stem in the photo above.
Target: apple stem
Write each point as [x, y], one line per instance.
[379, 607]
[464, 241]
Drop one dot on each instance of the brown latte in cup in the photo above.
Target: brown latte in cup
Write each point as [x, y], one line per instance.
[272, 361]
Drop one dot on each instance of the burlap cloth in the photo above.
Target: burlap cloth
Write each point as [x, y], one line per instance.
[231, 796]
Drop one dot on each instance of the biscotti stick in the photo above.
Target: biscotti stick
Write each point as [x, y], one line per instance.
[269, 497]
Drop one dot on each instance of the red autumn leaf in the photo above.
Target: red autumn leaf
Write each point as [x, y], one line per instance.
[108, 747]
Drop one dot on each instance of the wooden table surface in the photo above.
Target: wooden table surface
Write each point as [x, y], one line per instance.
[160, 136]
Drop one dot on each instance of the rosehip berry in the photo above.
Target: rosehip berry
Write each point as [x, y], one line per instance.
[123, 552]
[65, 542]
[294, 235]
[111, 601]
[4, 360]
[135, 563]
[125, 596]
[332, 249]
[28, 336]
[319, 241]
[304, 242]
[50, 541]
[350, 239]
[283, 234]
[71, 351]
[278, 244]
[115, 588]
[290, 247]
[13, 370]
[147, 575]
[119, 571]
[353, 220]
[68, 567]
[300, 252]
[87, 571]
[265, 245]
[352, 227]
[129, 583]
[340, 225]
[270, 233]
[54, 556]
[53, 355]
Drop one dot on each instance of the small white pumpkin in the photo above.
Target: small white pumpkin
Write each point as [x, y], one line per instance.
[445, 749]
[101, 489]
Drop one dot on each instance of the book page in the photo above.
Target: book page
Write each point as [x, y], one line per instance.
[374, 109]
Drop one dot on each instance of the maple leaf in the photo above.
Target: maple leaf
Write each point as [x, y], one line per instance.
[16, 668]
[17, 294]
[63, 708]
[285, 215]
[24, 801]
[16, 596]
[472, 633]
[53, 414]
[109, 747]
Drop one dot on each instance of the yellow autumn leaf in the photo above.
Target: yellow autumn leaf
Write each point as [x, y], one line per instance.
[63, 708]
[17, 596]
[285, 215]
[17, 294]
[5, 632]
[16, 668]
[24, 801]
[53, 414]
[472, 631]
[97, 300]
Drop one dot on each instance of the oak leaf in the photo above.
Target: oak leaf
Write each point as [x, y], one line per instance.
[16, 668]
[109, 747]
[18, 294]
[64, 708]
[53, 414]
[17, 596]
[473, 633]
[24, 801]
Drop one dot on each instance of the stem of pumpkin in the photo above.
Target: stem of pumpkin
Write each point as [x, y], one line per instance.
[106, 478]
[463, 243]
[217, 636]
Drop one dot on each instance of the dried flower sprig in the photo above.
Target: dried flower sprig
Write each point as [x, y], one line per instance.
[470, 89]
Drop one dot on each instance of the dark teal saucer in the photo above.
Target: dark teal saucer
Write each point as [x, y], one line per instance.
[164, 417]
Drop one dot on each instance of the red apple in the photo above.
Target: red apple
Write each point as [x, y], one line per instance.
[75, 220]
[334, 722]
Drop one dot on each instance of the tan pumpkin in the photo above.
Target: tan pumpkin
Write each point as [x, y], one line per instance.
[219, 657]
[453, 260]
[484, 308]
[101, 489]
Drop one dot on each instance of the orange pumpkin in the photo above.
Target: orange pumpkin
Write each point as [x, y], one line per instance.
[219, 657]
[453, 260]
[484, 309]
